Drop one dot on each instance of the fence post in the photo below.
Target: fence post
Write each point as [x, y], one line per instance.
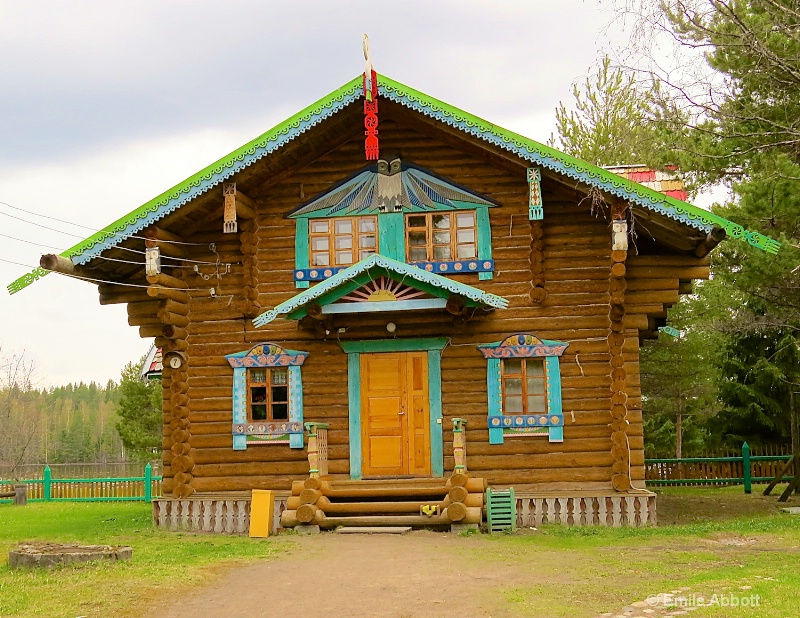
[48, 483]
[748, 482]
[148, 483]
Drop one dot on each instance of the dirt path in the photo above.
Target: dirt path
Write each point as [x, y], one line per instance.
[336, 575]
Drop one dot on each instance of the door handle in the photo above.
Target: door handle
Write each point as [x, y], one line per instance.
[401, 413]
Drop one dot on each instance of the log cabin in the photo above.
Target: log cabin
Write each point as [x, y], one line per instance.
[384, 305]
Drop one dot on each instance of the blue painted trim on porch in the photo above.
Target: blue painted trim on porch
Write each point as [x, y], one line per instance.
[394, 345]
[386, 305]
[435, 411]
[354, 413]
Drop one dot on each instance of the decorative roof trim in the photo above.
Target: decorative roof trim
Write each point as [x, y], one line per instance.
[278, 136]
[569, 166]
[379, 261]
[204, 180]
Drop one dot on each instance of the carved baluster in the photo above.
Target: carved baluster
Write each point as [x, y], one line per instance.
[459, 445]
[317, 449]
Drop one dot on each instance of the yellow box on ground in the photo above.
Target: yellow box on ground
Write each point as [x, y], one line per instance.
[262, 507]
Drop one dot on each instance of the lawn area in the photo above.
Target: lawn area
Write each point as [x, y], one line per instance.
[709, 542]
[162, 561]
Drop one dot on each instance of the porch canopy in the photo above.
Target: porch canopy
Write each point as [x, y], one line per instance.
[380, 284]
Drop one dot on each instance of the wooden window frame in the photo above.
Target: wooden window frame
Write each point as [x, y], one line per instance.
[268, 402]
[429, 231]
[355, 236]
[523, 376]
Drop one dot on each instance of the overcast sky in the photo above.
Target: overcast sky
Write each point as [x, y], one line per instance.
[106, 104]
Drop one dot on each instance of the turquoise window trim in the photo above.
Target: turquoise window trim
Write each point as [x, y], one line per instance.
[278, 357]
[239, 405]
[391, 235]
[484, 238]
[295, 404]
[354, 350]
[301, 249]
[547, 350]
[494, 389]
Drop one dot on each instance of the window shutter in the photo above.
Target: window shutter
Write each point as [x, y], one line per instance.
[301, 248]
[484, 238]
[494, 389]
[239, 405]
[295, 404]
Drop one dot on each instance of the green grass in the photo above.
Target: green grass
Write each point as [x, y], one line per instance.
[162, 561]
[606, 569]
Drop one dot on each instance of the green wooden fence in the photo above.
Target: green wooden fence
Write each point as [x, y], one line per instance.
[47, 489]
[745, 469]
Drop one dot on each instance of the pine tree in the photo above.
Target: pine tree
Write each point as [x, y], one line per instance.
[139, 410]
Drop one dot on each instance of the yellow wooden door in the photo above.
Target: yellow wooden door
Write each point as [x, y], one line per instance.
[395, 430]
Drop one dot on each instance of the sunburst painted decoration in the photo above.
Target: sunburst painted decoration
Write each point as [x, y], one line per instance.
[384, 289]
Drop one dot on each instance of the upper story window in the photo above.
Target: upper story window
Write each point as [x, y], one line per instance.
[438, 237]
[342, 241]
[268, 394]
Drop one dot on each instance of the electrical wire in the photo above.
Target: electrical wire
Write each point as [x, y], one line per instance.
[93, 280]
[105, 244]
[30, 212]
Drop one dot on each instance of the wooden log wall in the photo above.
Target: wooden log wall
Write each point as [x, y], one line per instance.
[570, 250]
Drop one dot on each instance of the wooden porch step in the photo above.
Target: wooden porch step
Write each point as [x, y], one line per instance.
[374, 530]
[382, 491]
[366, 508]
[387, 482]
[386, 520]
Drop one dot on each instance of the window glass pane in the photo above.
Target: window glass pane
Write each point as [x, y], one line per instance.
[442, 253]
[416, 221]
[466, 236]
[258, 375]
[513, 386]
[279, 376]
[366, 224]
[344, 257]
[319, 226]
[512, 366]
[418, 254]
[465, 252]
[536, 404]
[320, 259]
[259, 413]
[258, 394]
[512, 405]
[441, 222]
[280, 394]
[465, 219]
[535, 386]
[344, 242]
[319, 244]
[343, 226]
[417, 239]
[280, 411]
[535, 368]
[366, 242]
[365, 253]
[441, 238]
